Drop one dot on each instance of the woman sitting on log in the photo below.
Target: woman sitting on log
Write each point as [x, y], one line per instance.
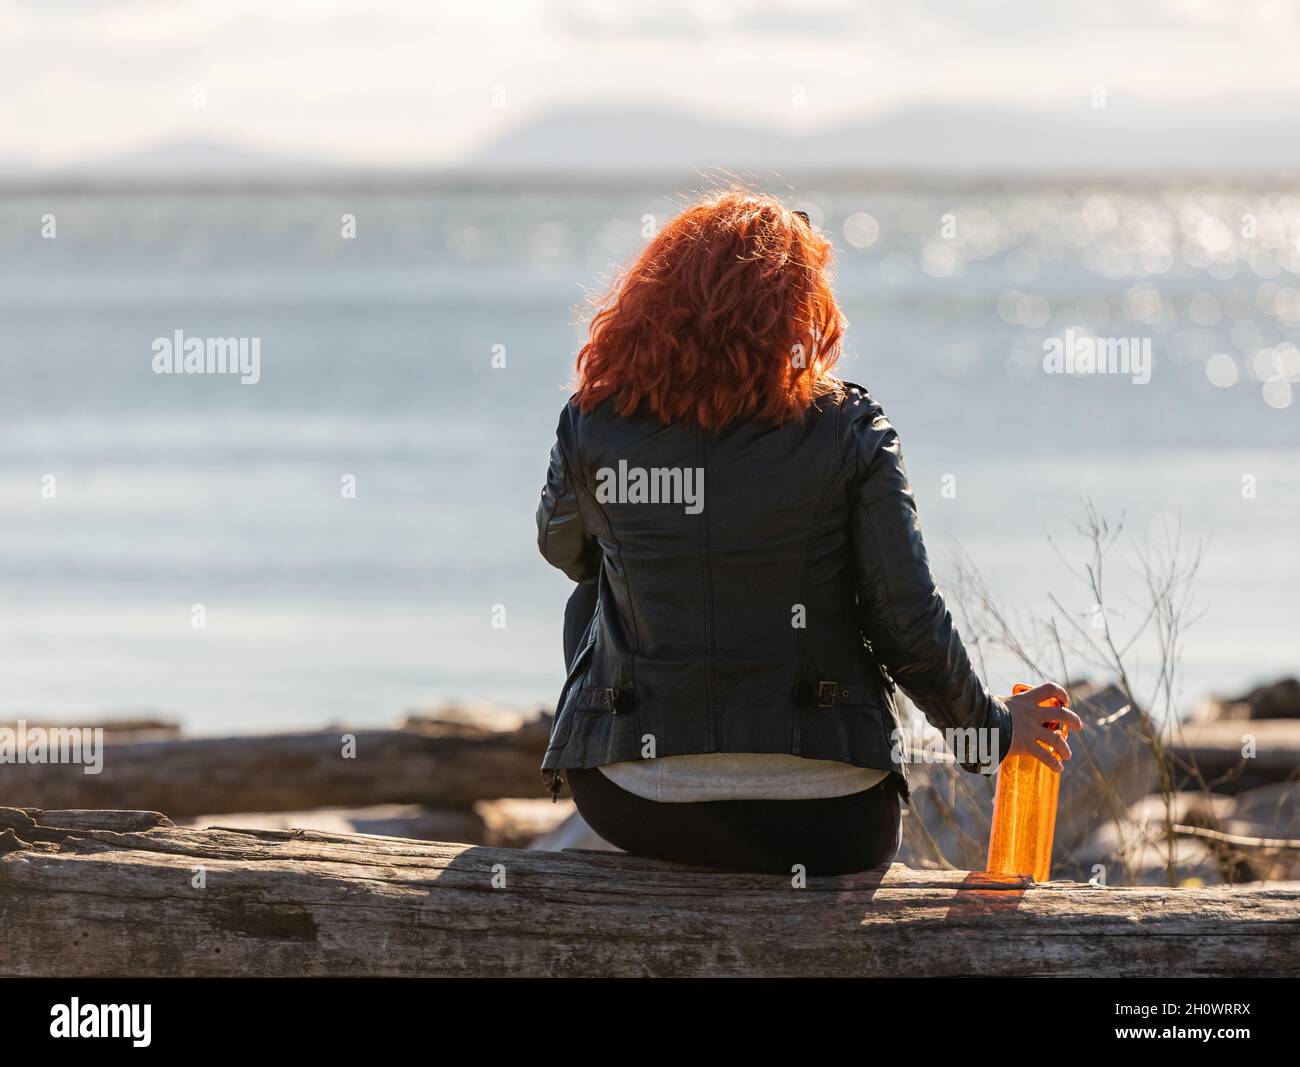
[751, 577]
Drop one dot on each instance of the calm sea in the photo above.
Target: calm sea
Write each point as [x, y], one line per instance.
[128, 497]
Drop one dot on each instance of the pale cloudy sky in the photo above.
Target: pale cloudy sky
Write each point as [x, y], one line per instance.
[385, 82]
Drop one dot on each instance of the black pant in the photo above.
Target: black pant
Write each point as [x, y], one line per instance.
[835, 835]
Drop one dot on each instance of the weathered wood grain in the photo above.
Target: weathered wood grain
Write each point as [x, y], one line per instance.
[450, 766]
[89, 900]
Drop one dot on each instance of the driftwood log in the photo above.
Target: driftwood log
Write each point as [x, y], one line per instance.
[1236, 755]
[141, 728]
[443, 765]
[511, 822]
[128, 893]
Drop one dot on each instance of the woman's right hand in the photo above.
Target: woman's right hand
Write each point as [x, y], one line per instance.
[1028, 725]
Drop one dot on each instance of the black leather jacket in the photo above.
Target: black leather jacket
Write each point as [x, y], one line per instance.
[767, 615]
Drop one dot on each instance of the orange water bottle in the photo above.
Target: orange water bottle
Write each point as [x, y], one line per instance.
[1024, 811]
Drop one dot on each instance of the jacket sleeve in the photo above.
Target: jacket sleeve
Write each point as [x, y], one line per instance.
[563, 540]
[901, 612]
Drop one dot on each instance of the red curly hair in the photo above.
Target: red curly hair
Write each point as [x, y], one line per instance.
[727, 314]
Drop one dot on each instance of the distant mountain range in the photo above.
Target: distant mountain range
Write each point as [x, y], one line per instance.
[944, 139]
[937, 139]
